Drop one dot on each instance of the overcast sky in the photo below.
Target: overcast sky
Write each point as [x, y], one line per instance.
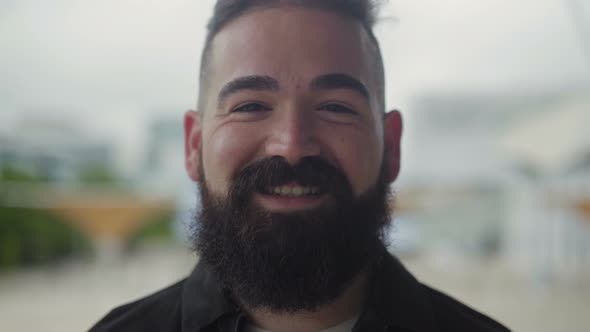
[109, 64]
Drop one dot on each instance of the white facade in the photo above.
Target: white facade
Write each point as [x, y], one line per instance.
[504, 174]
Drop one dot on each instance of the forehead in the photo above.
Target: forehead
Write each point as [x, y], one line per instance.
[291, 44]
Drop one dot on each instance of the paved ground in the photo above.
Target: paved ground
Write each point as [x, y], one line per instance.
[517, 302]
[73, 296]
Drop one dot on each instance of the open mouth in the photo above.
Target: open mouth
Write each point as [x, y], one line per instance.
[293, 191]
[291, 197]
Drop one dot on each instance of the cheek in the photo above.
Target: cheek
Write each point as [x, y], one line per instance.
[225, 152]
[359, 154]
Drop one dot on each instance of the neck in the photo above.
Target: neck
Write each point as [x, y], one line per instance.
[345, 307]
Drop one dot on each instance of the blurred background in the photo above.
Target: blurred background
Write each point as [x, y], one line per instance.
[493, 201]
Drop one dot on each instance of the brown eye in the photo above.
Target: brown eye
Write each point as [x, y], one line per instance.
[251, 108]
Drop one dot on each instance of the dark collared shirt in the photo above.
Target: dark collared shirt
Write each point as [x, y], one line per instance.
[396, 302]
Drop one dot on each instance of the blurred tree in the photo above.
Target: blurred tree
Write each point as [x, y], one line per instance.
[32, 236]
[29, 236]
[96, 174]
[13, 174]
[159, 228]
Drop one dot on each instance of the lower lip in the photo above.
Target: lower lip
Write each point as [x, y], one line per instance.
[289, 203]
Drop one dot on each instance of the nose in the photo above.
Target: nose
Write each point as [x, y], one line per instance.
[293, 136]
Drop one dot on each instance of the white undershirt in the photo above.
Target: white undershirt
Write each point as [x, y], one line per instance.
[345, 326]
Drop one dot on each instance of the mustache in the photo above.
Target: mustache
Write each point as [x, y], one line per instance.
[276, 171]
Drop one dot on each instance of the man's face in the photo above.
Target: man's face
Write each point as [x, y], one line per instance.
[292, 83]
[289, 153]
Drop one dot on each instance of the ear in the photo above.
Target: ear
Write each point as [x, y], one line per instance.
[393, 127]
[192, 144]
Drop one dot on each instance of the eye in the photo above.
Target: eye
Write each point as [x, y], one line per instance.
[250, 108]
[337, 109]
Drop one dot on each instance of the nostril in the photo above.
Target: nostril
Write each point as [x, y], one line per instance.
[292, 146]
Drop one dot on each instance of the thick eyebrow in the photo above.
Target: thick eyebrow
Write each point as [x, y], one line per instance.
[254, 82]
[339, 81]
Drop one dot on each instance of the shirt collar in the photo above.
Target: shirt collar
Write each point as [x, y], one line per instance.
[203, 300]
[395, 299]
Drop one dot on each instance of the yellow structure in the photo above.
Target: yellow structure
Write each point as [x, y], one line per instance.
[584, 207]
[114, 216]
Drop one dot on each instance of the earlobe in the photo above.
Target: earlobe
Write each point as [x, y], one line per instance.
[192, 144]
[393, 127]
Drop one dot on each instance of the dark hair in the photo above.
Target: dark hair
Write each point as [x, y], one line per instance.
[363, 11]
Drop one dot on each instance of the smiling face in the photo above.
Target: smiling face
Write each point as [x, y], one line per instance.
[289, 152]
[290, 83]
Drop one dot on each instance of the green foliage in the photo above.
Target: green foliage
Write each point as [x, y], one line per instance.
[158, 228]
[30, 237]
[97, 175]
[89, 174]
[16, 175]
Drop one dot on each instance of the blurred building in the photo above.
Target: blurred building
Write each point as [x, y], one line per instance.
[549, 224]
[78, 181]
[451, 183]
[506, 175]
[53, 150]
[162, 170]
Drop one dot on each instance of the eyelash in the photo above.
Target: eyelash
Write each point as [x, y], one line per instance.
[247, 108]
[256, 107]
[340, 109]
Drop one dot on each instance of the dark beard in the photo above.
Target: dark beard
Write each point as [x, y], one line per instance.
[292, 261]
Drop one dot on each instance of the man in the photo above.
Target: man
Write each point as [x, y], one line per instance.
[294, 156]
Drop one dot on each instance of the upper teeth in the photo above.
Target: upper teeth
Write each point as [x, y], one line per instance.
[294, 190]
